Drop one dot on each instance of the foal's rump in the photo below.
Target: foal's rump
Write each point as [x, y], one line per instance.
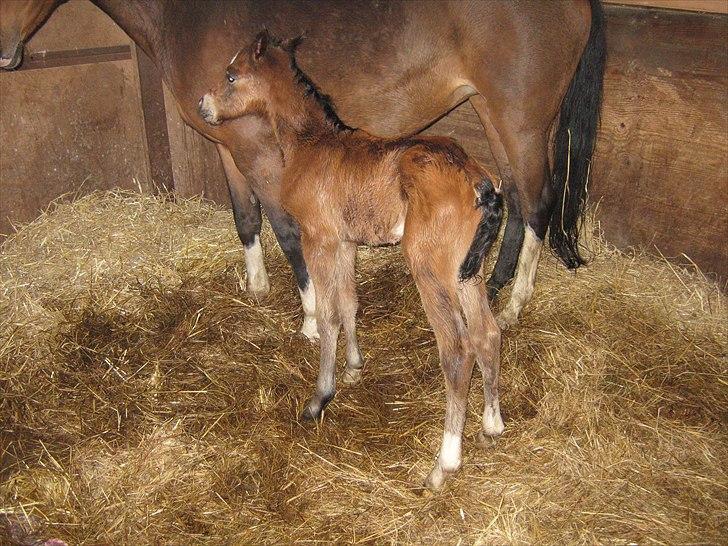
[454, 210]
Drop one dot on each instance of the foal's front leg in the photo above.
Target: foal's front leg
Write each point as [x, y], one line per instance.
[346, 304]
[321, 260]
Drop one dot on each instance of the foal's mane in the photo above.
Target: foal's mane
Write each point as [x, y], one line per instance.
[310, 89]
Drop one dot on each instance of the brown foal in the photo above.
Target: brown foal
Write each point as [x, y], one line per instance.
[344, 187]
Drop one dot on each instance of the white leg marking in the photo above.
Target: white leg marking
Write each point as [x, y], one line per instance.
[308, 299]
[257, 277]
[525, 279]
[450, 452]
[492, 421]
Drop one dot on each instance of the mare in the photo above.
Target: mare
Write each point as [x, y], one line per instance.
[532, 71]
[344, 187]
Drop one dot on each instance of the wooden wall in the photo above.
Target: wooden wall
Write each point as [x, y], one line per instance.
[91, 110]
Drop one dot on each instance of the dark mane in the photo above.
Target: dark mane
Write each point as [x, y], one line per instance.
[310, 89]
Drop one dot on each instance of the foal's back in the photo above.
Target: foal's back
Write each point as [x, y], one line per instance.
[357, 186]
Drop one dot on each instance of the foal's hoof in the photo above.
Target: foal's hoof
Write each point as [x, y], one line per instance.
[485, 441]
[351, 376]
[436, 479]
[310, 329]
[506, 319]
[310, 414]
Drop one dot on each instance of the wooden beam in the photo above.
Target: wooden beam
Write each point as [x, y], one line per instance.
[72, 57]
[155, 122]
[709, 6]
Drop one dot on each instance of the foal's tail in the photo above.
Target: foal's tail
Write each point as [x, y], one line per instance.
[574, 143]
[491, 203]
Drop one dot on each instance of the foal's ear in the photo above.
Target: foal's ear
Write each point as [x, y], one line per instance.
[261, 44]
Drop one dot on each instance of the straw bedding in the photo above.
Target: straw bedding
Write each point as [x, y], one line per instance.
[147, 399]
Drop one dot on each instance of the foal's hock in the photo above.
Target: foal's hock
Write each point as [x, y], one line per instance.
[345, 187]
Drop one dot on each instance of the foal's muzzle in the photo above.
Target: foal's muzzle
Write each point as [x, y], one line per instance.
[207, 110]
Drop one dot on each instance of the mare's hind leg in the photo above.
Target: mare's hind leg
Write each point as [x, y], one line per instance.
[536, 195]
[505, 265]
[347, 305]
[246, 212]
[522, 157]
[457, 360]
[486, 339]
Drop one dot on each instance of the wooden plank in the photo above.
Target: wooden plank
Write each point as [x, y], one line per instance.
[196, 165]
[72, 57]
[710, 6]
[70, 129]
[155, 121]
[661, 169]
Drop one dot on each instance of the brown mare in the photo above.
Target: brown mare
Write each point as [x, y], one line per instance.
[344, 187]
[531, 69]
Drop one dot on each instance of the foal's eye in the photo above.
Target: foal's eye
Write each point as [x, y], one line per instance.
[231, 78]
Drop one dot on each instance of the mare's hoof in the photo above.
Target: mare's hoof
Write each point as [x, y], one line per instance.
[258, 286]
[436, 479]
[506, 319]
[351, 376]
[310, 329]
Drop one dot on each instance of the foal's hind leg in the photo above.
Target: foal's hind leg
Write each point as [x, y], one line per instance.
[486, 339]
[457, 360]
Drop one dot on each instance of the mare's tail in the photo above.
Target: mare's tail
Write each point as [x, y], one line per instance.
[574, 143]
[491, 203]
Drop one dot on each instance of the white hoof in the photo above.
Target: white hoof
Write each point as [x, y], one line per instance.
[258, 285]
[310, 329]
[492, 422]
[351, 376]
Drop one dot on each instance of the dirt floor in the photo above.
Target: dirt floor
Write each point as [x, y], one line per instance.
[146, 399]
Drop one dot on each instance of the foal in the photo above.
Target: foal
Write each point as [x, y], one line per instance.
[345, 187]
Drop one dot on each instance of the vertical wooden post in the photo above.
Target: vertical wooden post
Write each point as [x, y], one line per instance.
[155, 122]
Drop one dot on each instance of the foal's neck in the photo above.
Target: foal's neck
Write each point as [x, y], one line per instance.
[302, 114]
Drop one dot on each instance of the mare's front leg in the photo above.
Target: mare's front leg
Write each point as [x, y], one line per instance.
[322, 259]
[246, 212]
[289, 238]
[262, 163]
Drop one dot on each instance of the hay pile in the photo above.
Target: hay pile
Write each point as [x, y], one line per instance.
[146, 398]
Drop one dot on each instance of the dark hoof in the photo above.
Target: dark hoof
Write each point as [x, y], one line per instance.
[310, 415]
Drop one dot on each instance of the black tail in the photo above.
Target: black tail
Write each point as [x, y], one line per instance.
[492, 204]
[574, 143]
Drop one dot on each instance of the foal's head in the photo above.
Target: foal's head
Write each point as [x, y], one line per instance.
[264, 79]
[255, 78]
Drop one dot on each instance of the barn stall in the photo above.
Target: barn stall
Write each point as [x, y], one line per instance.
[147, 398]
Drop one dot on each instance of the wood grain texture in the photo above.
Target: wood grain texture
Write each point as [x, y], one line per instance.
[710, 6]
[661, 169]
[79, 141]
[195, 163]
